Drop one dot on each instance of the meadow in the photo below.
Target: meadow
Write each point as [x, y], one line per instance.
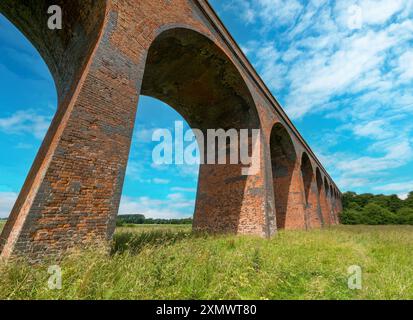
[169, 262]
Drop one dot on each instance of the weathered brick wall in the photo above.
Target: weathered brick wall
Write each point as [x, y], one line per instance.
[118, 51]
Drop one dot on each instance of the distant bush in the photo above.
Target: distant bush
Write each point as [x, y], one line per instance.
[372, 209]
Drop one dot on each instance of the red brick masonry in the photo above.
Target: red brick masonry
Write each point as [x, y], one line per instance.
[178, 51]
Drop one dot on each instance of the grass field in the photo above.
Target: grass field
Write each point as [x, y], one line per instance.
[168, 262]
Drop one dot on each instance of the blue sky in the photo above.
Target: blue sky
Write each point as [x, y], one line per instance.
[343, 70]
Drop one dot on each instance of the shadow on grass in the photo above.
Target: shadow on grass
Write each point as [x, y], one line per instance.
[134, 242]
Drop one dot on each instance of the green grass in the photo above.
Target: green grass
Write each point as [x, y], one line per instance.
[2, 223]
[164, 262]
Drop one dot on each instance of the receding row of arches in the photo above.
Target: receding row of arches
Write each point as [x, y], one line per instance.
[189, 71]
[303, 197]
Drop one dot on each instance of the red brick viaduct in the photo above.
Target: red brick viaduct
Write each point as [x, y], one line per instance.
[107, 54]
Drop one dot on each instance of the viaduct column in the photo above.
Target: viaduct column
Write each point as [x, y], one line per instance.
[72, 194]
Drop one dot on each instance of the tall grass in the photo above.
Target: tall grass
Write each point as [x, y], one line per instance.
[174, 264]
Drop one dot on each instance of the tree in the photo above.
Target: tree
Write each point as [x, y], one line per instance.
[348, 197]
[409, 201]
[351, 216]
[405, 216]
[374, 214]
[376, 209]
[395, 203]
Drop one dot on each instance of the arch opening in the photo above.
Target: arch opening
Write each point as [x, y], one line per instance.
[283, 161]
[157, 192]
[307, 174]
[332, 204]
[321, 197]
[313, 217]
[29, 101]
[189, 72]
[326, 187]
[319, 180]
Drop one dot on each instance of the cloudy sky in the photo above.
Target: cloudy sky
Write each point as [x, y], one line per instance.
[343, 71]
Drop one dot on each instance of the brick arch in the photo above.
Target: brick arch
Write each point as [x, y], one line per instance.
[328, 200]
[286, 180]
[333, 204]
[64, 51]
[337, 207]
[189, 72]
[322, 198]
[307, 173]
[312, 214]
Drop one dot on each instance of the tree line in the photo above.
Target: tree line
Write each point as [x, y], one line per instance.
[141, 219]
[380, 209]
[367, 209]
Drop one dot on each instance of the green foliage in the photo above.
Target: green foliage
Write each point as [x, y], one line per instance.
[293, 265]
[374, 214]
[141, 219]
[134, 241]
[351, 217]
[372, 209]
[409, 200]
[405, 216]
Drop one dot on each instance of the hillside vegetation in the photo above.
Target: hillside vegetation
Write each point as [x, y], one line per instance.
[168, 262]
[369, 209]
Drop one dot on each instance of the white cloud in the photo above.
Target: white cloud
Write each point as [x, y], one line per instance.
[373, 129]
[266, 11]
[402, 188]
[175, 206]
[181, 189]
[319, 57]
[25, 122]
[135, 171]
[379, 11]
[405, 66]
[7, 200]
[405, 186]
[160, 181]
[395, 156]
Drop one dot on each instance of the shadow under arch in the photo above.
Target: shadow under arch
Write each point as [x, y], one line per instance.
[189, 72]
[307, 174]
[64, 51]
[321, 197]
[332, 204]
[313, 214]
[283, 161]
[328, 200]
[319, 180]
